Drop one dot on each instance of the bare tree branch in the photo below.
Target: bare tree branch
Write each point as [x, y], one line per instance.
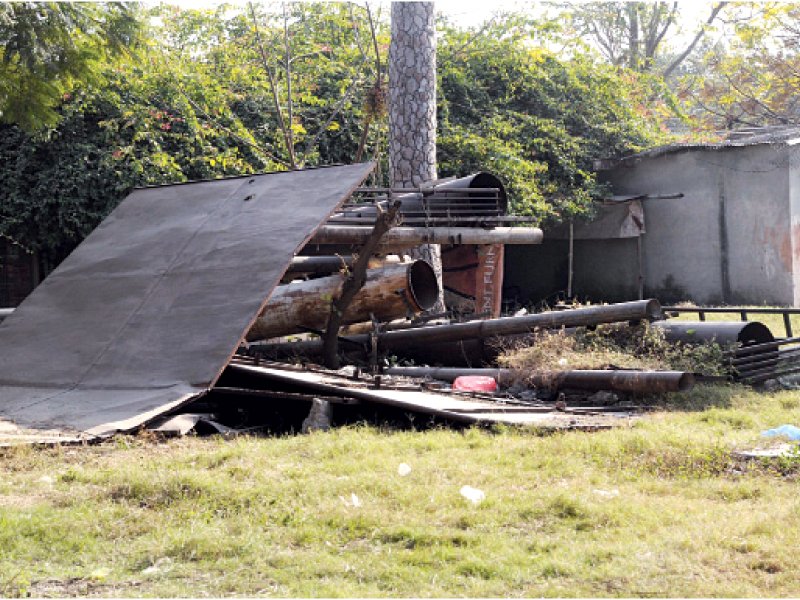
[362, 142]
[352, 284]
[675, 63]
[289, 99]
[274, 87]
[213, 121]
[672, 16]
[345, 98]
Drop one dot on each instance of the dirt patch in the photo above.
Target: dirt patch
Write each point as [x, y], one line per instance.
[76, 587]
[21, 501]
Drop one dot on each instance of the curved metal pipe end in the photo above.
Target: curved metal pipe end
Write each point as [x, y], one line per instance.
[423, 286]
[653, 309]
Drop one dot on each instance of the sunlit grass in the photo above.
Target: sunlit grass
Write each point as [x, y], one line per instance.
[656, 508]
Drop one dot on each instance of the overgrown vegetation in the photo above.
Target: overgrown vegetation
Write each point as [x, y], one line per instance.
[539, 121]
[613, 346]
[198, 104]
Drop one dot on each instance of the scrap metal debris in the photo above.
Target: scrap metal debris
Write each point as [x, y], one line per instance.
[158, 309]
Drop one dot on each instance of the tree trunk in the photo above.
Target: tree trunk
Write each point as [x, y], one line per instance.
[412, 108]
[633, 35]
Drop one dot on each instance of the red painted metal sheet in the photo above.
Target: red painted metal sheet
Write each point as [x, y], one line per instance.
[147, 311]
[489, 279]
[473, 277]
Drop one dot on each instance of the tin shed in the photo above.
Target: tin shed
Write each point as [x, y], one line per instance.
[722, 227]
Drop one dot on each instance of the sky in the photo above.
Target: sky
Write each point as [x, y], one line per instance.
[463, 12]
[467, 13]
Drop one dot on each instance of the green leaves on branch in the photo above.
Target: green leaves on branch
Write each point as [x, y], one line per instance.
[539, 122]
[46, 48]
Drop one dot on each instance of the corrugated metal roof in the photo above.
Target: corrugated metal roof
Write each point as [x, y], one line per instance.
[788, 135]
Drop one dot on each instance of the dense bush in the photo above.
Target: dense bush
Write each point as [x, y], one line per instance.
[203, 109]
[539, 122]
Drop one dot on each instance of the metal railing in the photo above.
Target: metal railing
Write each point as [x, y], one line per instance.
[758, 363]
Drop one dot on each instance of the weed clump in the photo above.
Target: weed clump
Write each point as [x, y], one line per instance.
[619, 346]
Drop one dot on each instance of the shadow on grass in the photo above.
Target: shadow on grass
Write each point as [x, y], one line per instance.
[703, 397]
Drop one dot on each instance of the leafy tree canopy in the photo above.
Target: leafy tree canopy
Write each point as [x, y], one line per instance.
[191, 106]
[640, 36]
[539, 121]
[199, 104]
[46, 47]
[749, 78]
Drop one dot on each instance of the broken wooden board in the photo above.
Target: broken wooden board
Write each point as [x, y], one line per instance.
[144, 315]
[460, 409]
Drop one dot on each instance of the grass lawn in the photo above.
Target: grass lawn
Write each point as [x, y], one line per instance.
[655, 508]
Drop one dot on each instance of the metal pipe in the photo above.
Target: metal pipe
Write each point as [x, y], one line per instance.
[732, 309]
[622, 381]
[389, 292]
[331, 264]
[772, 374]
[757, 348]
[408, 237]
[765, 359]
[472, 193]
[722, 332]
[476, 330]
[744, 336]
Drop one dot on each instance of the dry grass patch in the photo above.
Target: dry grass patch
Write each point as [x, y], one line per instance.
[610, 346]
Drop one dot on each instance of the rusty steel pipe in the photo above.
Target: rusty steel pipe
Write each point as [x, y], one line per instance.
[724, 333]
[398, 238]
[646, 382]
[426, 336]
[389, 292]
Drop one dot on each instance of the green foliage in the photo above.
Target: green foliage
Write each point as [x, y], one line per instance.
[195, 105]
[751, 80]
[135, 130]
[538, 121]
[198, 104]
[48, 47]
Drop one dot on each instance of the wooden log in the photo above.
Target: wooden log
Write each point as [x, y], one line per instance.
[389, 292]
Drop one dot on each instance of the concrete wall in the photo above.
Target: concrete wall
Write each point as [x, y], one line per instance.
[729, 240]
[757, 204]
[734, 238]
[794, 203]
